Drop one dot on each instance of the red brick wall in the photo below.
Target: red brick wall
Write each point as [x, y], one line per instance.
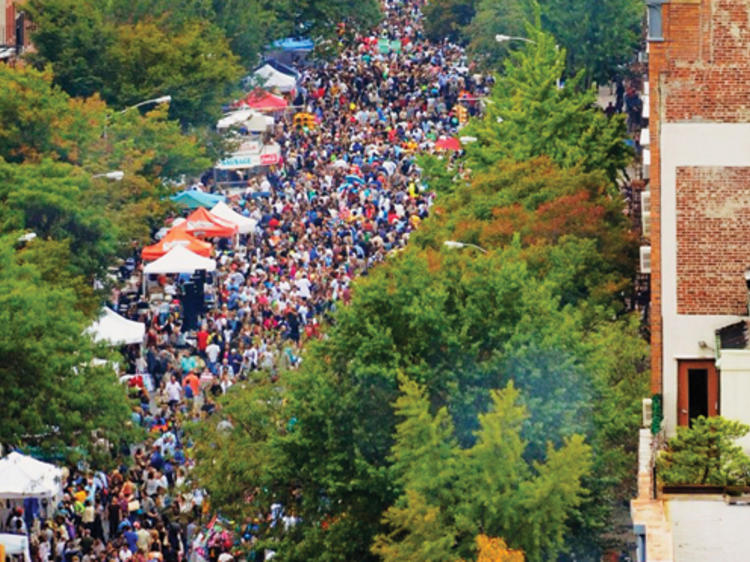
[713, 239]
[708, 68]
[10, 23]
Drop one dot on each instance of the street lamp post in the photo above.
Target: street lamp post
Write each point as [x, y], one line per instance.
[500, 38]
[455, 244]
[115, 175]
[157, 101]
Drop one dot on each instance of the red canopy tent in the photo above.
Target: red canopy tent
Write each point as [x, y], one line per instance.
[450, 143]
[176, 237]
[204, 224]
[260, 100]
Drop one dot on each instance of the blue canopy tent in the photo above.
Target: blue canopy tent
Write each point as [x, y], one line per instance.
[293, 44]
[192, 199]
[289, 51]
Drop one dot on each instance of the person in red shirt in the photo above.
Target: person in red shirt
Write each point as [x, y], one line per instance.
[202, 337]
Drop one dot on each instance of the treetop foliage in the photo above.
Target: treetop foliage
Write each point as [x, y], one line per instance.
[706, 453]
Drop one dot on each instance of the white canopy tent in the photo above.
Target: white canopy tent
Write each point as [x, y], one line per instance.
[224, 211]
[116, 330]
[16, 545]
[249, 119]
[179, 260]
[272, 78]
[22, 476]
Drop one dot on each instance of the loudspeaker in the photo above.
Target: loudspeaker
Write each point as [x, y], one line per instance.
[190, 306]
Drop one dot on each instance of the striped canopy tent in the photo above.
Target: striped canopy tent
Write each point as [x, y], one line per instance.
[203, 224]
[176, 237]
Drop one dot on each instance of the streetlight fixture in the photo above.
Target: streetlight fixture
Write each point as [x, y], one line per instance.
[455, 244]
[500, 38]
[157, 101]
[115, 175]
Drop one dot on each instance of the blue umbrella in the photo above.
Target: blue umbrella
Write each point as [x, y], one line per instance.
[354, 179]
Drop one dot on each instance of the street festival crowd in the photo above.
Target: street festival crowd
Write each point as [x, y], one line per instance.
[346, 193]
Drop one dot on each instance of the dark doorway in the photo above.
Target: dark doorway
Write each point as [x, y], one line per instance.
[697, 390]
[697, 394]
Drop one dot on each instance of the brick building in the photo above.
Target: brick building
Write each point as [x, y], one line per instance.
[14, 30]
[699, 70]
[699, 253]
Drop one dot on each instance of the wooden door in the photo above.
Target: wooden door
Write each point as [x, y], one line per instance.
[697, 390]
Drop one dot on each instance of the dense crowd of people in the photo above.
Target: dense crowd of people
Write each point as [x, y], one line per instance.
[347, 192]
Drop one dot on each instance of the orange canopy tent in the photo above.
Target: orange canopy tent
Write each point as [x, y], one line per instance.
[176, 237]
[204, 224]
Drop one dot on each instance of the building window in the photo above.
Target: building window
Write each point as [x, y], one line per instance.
[654, 19]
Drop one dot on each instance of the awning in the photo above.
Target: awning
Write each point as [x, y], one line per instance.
[268, 155]
[179, 260]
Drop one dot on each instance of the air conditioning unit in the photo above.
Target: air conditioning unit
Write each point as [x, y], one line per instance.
[645, 201]
[647, 410]
[645, 261]
[646, 213]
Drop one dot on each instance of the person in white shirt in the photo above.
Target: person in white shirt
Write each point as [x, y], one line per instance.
[174, 392]
[212, 352]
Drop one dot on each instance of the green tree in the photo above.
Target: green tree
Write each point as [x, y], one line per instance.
[451, 495]
[132, 58]
[51, 395]
[53, 145]
[529, 114]
[706, 453]
[194, 65]
[425, 466]
[46, 199]
[496, 17]
[600, 37]
[318, 19]
[446, 19]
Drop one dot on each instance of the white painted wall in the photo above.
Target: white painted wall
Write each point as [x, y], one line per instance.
[735, 388]
[689, 144]
[707, 528]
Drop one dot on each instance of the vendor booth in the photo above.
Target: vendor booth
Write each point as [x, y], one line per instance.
[177, 237]
[114, 329]
[15, 546]
[203, 224]
[22, 477]
[179, 260]
[260, 100]
[249, 156]
[192, 199]
[224, 211]
[271, 78]
[248, 119]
